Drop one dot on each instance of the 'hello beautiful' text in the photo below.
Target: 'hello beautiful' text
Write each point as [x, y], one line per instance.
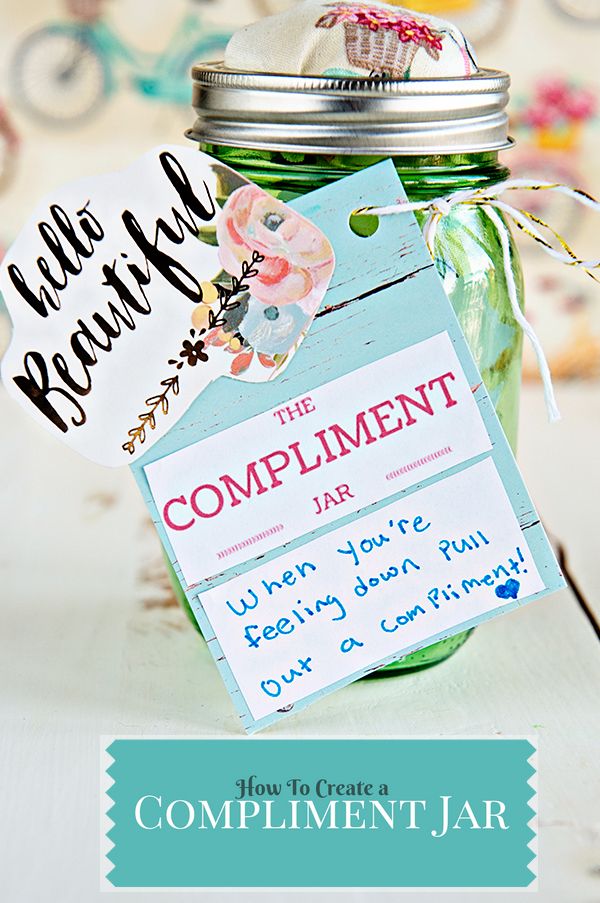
[58, 385]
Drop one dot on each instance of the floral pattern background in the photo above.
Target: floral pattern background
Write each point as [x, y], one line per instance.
[555, 100]
[554, 108]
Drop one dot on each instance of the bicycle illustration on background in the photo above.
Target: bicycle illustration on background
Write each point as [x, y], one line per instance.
[63, 72]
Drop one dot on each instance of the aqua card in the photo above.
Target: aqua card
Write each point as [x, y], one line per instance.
[298, 404]
[359, 506]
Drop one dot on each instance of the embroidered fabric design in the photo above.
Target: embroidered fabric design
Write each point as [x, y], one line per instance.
[382, 42]
[345, 39]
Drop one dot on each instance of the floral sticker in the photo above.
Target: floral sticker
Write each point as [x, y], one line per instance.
[296, 263]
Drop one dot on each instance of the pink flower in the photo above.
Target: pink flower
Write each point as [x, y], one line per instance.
[408, 29]
[552, 91]
[580, 105]
[298, 259]
[540, 117]
[243, 355]
[558, 99]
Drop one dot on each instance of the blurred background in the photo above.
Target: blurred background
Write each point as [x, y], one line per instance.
[64, 114]
[92, 640]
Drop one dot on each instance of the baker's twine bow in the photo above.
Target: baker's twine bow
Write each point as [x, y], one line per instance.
[489, 199]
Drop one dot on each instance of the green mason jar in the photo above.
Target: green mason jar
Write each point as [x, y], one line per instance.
[291, 135]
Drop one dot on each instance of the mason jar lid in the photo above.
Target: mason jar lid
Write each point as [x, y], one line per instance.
[350, 115]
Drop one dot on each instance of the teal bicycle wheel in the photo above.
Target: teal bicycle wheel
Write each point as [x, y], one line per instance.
[58, 75]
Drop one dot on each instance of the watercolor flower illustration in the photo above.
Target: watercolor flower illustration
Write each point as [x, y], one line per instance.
[253, 330]
[283, 292]
[273, 330]
[298, 260]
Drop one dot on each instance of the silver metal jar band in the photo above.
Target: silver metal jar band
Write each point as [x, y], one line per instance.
[338, 115]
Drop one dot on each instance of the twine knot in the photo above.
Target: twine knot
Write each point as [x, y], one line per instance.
[489, 198]
[442, 206]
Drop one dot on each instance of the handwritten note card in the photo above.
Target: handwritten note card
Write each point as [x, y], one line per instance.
[363, 504]
[299, 407]
[392, 580]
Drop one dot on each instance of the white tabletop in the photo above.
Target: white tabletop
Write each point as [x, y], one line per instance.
[93, 643]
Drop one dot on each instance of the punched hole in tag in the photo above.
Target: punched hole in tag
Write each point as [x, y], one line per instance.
[363, 224]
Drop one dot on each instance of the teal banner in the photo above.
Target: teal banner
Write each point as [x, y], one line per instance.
[320, 813]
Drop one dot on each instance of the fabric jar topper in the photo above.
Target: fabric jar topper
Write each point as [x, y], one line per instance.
[528, 223]
[353, 38]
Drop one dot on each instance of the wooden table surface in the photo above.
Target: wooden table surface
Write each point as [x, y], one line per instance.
[93, 643]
